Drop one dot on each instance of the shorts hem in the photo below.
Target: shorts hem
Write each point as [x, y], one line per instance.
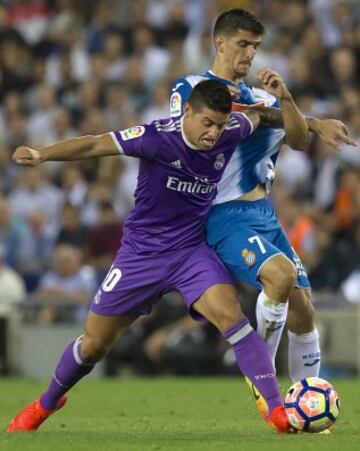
[189, 303]
[263, 263]
[128, 314]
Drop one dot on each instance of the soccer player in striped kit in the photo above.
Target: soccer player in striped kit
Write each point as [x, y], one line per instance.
[242, 226]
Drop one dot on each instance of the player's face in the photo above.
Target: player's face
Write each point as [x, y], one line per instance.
[238, 51]
[203, 128]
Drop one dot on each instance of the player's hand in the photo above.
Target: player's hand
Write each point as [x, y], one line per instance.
[331, 131]
[26, 156]
[273, 83]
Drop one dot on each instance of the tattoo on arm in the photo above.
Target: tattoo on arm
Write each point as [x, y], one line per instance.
[270, 117]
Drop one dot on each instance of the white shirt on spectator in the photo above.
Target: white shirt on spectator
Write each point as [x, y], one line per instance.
[12, 288]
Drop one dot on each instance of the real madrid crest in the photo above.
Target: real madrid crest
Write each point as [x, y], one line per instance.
[219, 162]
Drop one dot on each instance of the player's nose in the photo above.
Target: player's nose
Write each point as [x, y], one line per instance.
[214, 132]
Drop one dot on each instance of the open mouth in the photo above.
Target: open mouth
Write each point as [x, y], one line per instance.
[208, 142]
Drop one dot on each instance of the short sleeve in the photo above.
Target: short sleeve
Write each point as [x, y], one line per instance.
[180, 92]
[245, 126]
[140, 141]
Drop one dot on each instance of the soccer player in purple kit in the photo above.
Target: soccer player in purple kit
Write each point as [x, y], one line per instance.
[164, 247]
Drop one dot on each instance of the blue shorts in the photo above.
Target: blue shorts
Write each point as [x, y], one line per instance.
[245, 234]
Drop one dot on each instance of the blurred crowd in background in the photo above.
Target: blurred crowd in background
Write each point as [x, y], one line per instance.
[74, 67]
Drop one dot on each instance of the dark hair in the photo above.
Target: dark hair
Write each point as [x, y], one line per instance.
[212, 94]
[231, 21]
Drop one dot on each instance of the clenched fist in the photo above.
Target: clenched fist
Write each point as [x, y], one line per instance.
[26, 156]
[273, 83]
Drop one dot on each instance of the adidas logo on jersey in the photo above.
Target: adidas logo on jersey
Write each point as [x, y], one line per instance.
[176, 164]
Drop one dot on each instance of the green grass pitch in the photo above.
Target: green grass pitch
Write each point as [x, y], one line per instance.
[167, 414]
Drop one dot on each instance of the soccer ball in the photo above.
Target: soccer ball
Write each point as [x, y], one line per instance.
[312, 405]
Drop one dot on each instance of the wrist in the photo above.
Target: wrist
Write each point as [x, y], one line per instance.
[41, 156]
[312, 123]
[286, 97]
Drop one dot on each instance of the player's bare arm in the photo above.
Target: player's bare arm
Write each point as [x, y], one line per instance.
[331, 131]
[295, 124]
[90, 146]
[293, 121]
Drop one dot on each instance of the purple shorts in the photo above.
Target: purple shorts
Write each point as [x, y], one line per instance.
[135, 282]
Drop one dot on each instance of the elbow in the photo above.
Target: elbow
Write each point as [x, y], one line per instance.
[300, 143]
[299, 140]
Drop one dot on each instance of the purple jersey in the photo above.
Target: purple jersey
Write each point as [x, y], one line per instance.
[176, 182]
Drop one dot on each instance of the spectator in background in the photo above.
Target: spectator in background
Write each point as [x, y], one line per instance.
[30, 19]
[71, 230]
[74, 185]
[198, 52]
[62, 129]
[154, 60]
[13, 234]
[338, 258]
[137, 89]
[34, 194]
[15, 66]
[36, 249]
[7, 31]
[103, 21]
[8, 172]
[16, 130]
[159, 106]
[113, 57]
[68, 284]
[67, 36]
[99, 192]
[347, 201]
[343, 67]
[118, 111]
[12, 288]
[103, 240]
[41, 122]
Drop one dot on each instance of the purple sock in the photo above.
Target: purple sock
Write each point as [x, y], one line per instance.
[71, 368]
[254, 361]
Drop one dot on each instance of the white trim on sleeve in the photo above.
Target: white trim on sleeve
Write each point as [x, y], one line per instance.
[250, 122]
[118, 145]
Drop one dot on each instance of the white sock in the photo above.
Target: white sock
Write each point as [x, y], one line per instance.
[304, 355]
[271, 318]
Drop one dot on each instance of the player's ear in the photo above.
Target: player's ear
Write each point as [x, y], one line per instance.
[219, 42]
[187, 108]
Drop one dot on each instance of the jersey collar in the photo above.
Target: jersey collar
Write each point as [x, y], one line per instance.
[186, 141]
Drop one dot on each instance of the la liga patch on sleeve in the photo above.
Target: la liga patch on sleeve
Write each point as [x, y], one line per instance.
[132, 132]
[175, 104]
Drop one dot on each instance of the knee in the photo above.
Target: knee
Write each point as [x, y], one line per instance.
[280, 272]
[220, 305]
[93, 349]
[226, 312]
[227, 317]
[286, 273]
